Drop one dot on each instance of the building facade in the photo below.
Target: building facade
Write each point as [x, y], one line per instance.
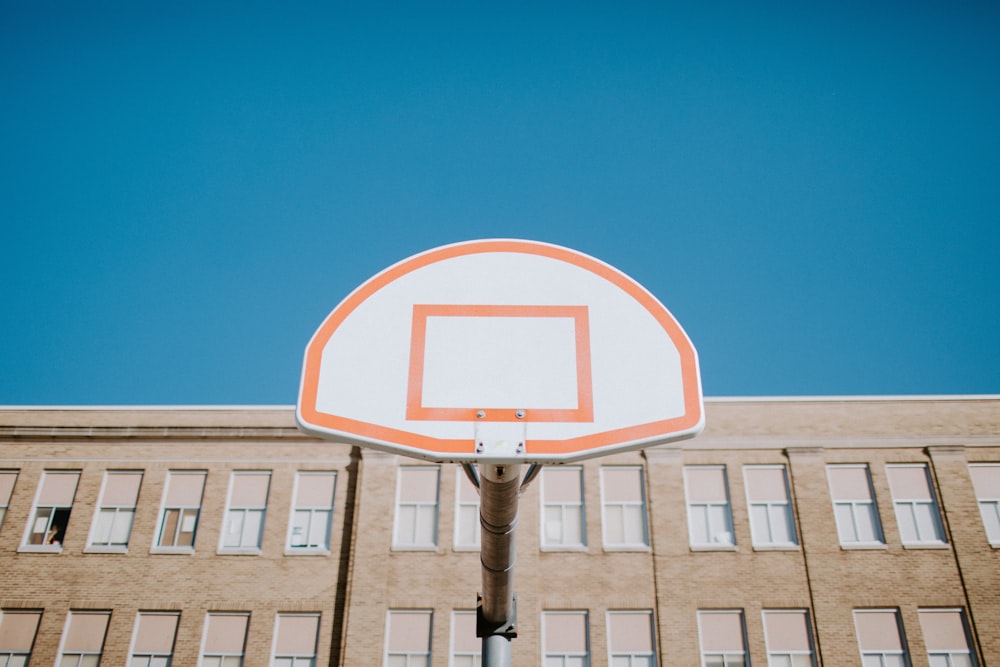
[798, 532]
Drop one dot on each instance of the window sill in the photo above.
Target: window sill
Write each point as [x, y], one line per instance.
[465, 548]
[235, 551]
[578, 548]
[776, 547]
[714, 547]
[306, 551]
[864, 546]
[182, 551]
[926, 545]
[426, 548]
[625, 548]
[98, 549]
[40, 549]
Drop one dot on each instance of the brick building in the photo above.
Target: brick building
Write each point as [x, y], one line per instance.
[836, 532]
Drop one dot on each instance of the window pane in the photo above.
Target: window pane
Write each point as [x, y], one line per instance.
[928, 526]
[468, 525]
[698, 524]
[574, 525]
[553, 525]
[907, 524]
[706, 484]
[720, 525]
[866, 524]
[760, 524]
[634, 525]
[319, 529]
[426, 524]
[252, 528]
[122, 527]
[990, 511]
[781, 524]
[17, 630]
[296, 634]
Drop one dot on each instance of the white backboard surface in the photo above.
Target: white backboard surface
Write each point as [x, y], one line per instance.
[444, 352]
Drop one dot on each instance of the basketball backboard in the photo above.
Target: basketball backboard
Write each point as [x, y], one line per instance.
[501, 351]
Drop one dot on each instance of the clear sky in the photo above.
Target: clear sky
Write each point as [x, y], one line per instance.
[186, 191]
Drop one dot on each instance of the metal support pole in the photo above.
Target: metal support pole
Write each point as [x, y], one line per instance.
[499, 487]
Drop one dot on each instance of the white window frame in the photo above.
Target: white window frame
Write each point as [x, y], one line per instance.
[909, 506]
[788, 654]
[5, 502]
[619, 508]
[117, 511]
[853, 506]
[729, 658]
[700, 512]
[80, 655]
[414, 544]
[460, 479]
[36, 509]
[407, 654]
[475, 656]
[563, 544]
[774, 511]
[648, 657]
[989, 508]
[882, 654]
[950, 654]
[311, 546]
[7, 654]
[164, 659]
[297, 659]
[222, 656]
[183, 511]
[563, 656]
[243, 511]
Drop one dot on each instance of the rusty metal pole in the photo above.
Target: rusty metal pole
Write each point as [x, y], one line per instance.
[499, 487]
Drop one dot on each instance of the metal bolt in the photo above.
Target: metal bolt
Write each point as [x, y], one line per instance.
[480, 414]
[519, 414]
[479, 448]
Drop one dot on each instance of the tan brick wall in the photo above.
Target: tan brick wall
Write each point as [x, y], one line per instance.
[363, 577]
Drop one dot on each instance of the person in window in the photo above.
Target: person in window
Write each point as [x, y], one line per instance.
[55, 535]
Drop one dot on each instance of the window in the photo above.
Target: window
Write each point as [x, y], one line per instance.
[710, 521]
[224, 640]
[623, 505]
[408, 639]
[7, 479]
[295, 640]
[153, 639]
[466, 647]
[880, 638]
[565, 639]
[83, 639]
[630, 639]
[771, 522]
[722, 637]
[181, 507]
[562, 508]
[416, 507]
[52, 509]
[17, 636]
[986, 482]
[466, 513]
[312, 511]
[246, 509]
[916, 509]
[116, 509]
[854, 505]
[946, 638]
[788, 638]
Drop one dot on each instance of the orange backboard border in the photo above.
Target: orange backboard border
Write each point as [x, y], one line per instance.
[330, 425]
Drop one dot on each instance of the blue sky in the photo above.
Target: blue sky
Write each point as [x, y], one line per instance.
[187, 191]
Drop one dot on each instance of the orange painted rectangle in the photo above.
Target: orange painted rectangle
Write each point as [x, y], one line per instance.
[415, 408]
